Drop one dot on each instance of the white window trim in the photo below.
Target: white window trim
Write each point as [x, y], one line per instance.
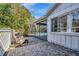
[69, 22]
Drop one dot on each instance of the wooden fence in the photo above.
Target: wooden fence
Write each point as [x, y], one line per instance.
[5, 40]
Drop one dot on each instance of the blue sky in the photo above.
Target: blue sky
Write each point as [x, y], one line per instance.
[37, 9]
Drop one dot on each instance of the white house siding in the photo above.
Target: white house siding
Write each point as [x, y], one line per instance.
[69, 40]
[66, 39]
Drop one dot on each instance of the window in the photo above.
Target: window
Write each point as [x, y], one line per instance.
[59, 24]
[54, 25]
[62, 24]
[75, 22]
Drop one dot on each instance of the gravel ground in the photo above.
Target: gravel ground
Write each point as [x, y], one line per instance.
[38, 47]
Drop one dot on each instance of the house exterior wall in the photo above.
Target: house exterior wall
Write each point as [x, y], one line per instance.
[67, 39]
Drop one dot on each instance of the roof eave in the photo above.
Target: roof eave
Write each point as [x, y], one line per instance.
[52, 9]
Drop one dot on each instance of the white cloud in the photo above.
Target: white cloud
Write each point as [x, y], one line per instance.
[37, 17]
[41, 12]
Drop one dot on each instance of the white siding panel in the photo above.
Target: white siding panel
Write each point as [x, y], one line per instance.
[49, 38]
[58, 39]
[75, 43]
[62, 40]
[68, 41]
[53, 38]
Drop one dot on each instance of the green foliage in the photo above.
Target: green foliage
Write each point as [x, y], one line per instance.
[16, 17]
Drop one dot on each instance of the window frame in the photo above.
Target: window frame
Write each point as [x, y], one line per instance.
[57, 19]
[52, 24]
[75, 28]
